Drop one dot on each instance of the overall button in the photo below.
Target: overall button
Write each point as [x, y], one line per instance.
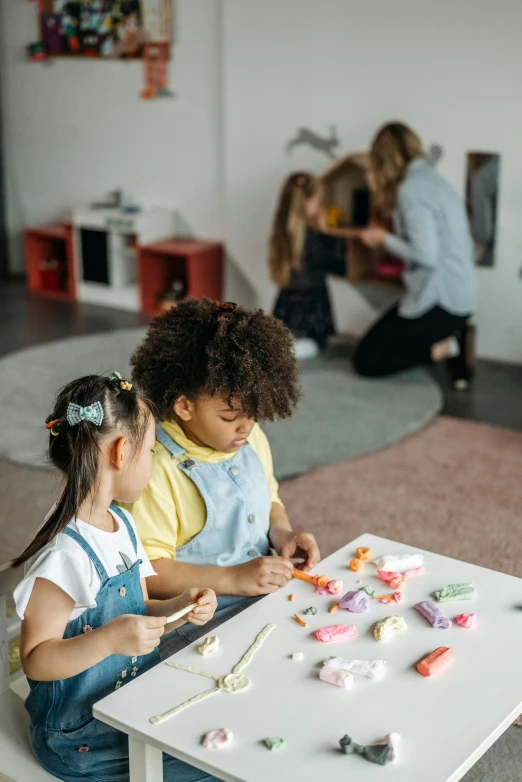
[252, 518]
[234, 471]
[252, 553]
[189, 463]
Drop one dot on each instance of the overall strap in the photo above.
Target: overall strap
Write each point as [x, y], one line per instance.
[171, 445]
[123, 516]
[89, 551]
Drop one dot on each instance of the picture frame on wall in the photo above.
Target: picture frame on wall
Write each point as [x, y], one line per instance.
[118, 29]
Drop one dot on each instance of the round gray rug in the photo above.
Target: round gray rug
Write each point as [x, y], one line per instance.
[341, 416]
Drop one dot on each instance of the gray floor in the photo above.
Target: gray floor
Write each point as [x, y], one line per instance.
[27, 320]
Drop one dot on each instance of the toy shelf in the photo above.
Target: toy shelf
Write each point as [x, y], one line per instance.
[197, 264]
[51, 245]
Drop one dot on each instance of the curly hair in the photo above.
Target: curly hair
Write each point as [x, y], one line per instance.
[201, 348]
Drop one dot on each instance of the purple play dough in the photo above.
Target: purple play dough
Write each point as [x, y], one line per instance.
[356, 602]
[433, 614]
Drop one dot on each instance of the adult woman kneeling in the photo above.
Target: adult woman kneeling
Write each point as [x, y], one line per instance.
[432, 237]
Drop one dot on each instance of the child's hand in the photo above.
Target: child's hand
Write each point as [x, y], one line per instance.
[133, 635]
[261, 576]
[207, 604]
[296, 544]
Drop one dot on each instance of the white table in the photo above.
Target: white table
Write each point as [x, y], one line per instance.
[447, 722]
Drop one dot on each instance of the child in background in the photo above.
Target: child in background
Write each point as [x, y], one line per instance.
[212, 511]
[88, 626]
[300, 257]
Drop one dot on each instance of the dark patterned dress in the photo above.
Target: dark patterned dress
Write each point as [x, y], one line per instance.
[304, 306]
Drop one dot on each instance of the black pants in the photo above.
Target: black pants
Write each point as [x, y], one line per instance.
[394, 344]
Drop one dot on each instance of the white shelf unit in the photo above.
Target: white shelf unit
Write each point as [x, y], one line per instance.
[105, 242]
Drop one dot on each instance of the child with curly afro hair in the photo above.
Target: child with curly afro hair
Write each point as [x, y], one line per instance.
[211, 511]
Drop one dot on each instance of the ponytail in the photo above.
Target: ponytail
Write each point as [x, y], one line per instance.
[74, 448]
[289, 226]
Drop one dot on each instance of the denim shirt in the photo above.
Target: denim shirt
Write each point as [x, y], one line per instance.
[433, 238]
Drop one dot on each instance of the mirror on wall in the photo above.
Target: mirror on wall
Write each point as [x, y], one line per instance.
[482, 177]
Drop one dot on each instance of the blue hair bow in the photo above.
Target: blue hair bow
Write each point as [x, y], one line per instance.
[92, 413]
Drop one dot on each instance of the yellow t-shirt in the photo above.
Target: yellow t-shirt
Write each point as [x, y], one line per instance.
[171, 511]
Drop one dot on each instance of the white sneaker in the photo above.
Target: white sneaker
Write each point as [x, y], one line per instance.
[305, 349]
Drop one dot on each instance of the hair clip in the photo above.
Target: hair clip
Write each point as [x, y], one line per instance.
[52, 424]
[93, 413]
[123, 384]
[226, 309]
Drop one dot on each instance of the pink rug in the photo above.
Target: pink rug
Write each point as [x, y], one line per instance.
[454, 488]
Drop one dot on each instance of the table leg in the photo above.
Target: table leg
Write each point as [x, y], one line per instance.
[145, 762]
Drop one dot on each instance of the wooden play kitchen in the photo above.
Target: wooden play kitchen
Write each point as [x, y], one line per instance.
[131, 260]
[349, 209]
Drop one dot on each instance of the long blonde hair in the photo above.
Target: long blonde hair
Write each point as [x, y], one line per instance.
[289, 226]
[393, 148]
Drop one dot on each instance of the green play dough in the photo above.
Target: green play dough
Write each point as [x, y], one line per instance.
[273, 744]
[369, 591]
[311, 611]
[455, 592]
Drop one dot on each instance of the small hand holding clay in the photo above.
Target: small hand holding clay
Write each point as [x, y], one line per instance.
[206, 604]
[261, 576]
[292, 544]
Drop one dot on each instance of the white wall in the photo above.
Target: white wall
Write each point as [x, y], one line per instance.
[451, 70]
[248, 74]
[77, 129]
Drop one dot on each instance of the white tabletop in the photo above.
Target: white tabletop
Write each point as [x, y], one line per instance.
[446, 722]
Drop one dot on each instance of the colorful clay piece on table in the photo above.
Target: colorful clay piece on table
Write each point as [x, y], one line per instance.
[373, 669]
[392, 597]
[291, 597]
[465, 620]
[310, 611]
[412, 573]
[316, 581]
[395, 580]
[333, 587]
[231, 683]
[356, 601]
[273, 744]
[393, 739]
[333, 608]
[433, 614]
[335, 633]
[398, 563]
[298, 657]
[369, 591]
[364, 553]
[375, 753]
[356, 565]
[385, 629]
[300, 621]
[336, 676]
[435, 661]
[209, 645]
[217, 739]
[456, 592]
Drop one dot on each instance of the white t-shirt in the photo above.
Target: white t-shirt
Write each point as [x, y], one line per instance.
[64, 562]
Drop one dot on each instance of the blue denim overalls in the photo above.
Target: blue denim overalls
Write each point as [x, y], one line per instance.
[66, 739]
[237, 498]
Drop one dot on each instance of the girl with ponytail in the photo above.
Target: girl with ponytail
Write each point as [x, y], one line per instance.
[300, 257]
[88, 625]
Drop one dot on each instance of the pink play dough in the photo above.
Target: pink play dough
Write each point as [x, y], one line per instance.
[335, 633]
